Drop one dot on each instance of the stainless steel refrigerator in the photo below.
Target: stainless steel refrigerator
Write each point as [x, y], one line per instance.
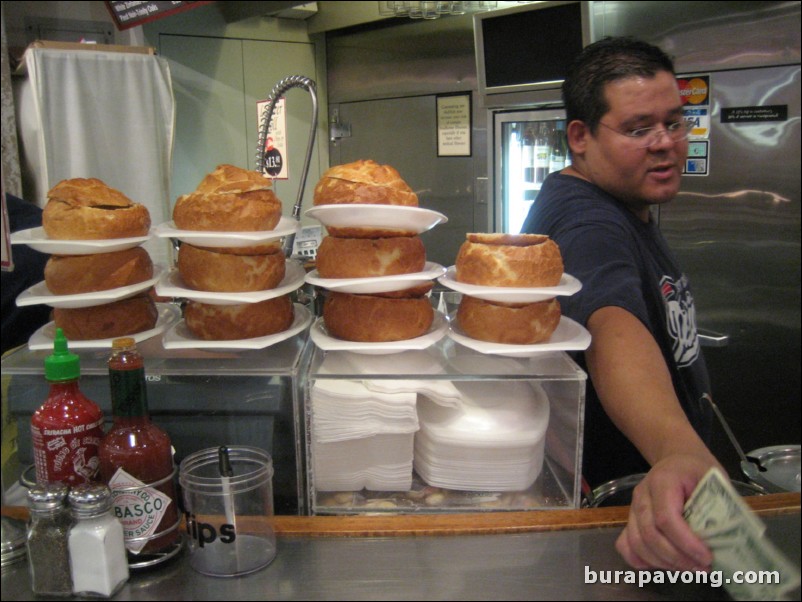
[736, 232]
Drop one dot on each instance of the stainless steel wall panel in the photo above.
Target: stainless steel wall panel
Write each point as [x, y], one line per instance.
[708, 35]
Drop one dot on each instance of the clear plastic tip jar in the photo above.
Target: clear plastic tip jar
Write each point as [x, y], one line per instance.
[228, 498]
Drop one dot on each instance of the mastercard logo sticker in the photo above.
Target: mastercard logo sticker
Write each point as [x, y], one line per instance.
[694, 91]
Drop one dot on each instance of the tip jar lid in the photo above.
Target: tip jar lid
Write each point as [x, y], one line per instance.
[90, 498]
[62, 364]
[47, 496]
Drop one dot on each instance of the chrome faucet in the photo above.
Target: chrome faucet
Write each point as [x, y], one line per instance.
[293, 81]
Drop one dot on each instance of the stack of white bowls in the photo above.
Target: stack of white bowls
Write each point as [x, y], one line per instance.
[493, 442]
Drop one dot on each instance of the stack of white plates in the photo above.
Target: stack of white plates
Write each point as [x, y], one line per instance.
[361, 439]
[494, 442]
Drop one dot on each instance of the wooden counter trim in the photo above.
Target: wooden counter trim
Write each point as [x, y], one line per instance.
[489, 522]
[474, 523]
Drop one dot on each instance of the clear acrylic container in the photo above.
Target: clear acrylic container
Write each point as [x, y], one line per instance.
[228, 499]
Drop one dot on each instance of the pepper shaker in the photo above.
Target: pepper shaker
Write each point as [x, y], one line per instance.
[48, 532]
[96, 543]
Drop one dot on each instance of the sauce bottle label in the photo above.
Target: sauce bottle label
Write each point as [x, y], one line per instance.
[67, 454]
[139, 508]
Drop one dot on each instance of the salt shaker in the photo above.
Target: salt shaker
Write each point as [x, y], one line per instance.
[48, 531]
[96, 543]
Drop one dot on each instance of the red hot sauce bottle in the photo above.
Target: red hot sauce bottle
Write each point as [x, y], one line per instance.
[136, 461]
[68, 427]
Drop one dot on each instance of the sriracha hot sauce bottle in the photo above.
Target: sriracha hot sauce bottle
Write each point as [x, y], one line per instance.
[67, 429]
[136, 461]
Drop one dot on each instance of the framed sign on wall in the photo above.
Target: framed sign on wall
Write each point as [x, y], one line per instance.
[454, 125]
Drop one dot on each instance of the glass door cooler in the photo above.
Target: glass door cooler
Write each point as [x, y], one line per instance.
[528, 145]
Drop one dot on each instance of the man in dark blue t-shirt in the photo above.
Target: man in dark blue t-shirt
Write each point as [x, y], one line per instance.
[647, 406]
[19, 323]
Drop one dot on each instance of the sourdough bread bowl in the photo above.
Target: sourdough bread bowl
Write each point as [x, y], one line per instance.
[229, 199]
[119, 318]
[363, 182]
[208, 269]
[370, 257]
[509, 260]
[78, 274]
[89, 209]
[241, 321]
[380, 318]
[510, 324]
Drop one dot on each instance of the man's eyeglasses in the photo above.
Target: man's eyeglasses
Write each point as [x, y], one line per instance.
[646, 137]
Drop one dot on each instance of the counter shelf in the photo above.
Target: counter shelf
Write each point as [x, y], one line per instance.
[557, 487]
[202, 398]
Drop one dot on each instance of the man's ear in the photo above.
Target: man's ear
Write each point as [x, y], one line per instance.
[577, 134]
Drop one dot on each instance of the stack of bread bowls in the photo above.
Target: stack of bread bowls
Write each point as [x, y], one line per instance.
[372, 264]
[99, 278]
[230, 266]
[510, 284]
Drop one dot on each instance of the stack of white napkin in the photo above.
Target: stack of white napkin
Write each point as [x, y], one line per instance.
[493, 441]
[361, 439]
[363, 430]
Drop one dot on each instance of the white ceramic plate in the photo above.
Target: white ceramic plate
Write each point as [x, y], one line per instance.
[381, 284]
[38, 240]
[391, 217]
[179, 336]
[39, 294]
[326, 342]
[171, 285]
[569, 336]
[169, 314]
[203, 238]
[502, 294]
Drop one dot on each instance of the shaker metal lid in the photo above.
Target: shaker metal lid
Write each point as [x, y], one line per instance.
[90, 497]
[47, 496]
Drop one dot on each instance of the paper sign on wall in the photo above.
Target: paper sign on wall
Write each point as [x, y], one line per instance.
[276, 164]
[454, 125]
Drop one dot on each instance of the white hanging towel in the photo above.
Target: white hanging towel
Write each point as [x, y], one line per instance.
[99, 114]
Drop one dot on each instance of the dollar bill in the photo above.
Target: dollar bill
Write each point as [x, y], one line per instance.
[715, 505]
[752, 567]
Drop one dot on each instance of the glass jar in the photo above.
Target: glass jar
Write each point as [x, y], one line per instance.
[48, 532]
[96, 543]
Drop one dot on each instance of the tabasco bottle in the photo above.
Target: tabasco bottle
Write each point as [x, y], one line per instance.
[67, 429]
[136, 461]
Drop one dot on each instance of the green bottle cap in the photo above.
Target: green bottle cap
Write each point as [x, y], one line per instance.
[62, 365]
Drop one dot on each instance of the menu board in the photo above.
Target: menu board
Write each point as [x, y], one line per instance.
[130, 13]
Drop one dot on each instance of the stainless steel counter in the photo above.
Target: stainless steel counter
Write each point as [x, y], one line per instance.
[533, 565]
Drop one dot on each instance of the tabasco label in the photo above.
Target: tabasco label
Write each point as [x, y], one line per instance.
[67, 454]
[139, 508]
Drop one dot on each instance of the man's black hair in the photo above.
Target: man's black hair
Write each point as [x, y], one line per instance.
[602, 62]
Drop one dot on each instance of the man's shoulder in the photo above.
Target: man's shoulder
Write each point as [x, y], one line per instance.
[569, 191]
[567, 200]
